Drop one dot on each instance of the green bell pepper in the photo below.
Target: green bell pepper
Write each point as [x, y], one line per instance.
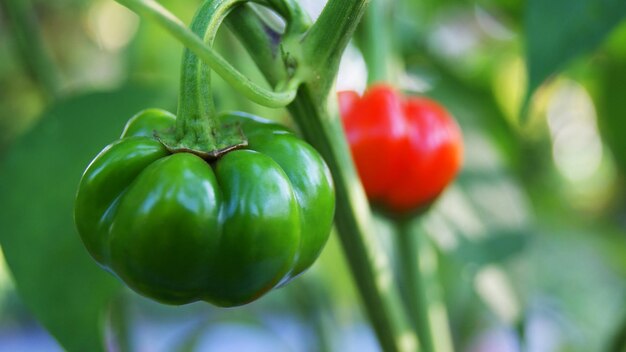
[178, 228]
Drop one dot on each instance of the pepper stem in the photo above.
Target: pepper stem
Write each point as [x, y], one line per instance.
[198, 129]
[327, 40]
[374, 39]
[417, 274]
[195, 104]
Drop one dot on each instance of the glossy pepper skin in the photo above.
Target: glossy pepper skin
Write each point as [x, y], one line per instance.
[406, 149]
[178, 229]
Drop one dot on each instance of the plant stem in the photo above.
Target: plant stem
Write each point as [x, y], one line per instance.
[196, 113]
[198, 128]
[375, 42]
[411, 277]
[260, 41]
[254, 92]
[368, 262]
[328, 38]
[417, 271]
[323, 47]
[30, 46]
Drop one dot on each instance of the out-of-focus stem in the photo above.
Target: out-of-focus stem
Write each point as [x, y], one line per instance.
[417, 271]
[28, 40]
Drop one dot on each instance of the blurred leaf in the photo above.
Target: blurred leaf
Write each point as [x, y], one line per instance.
[52, 271]
[611, 107]
[560, 30]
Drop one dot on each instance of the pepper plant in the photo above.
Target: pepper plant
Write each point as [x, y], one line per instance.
[195, 202]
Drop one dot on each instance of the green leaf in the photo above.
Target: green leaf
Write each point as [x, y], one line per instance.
[609, 100]
[558, 31]
[53, 273]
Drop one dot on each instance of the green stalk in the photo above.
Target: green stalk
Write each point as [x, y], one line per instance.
[368, 262]
[27, 38]
[417, 271]
[196, 112]
[197, 126]
[412, 279]
[260, 41]
[323, 47]
[326, 41]
[416, 259]
[374, 40]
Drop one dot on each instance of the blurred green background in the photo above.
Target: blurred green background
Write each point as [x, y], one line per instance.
[530, 240]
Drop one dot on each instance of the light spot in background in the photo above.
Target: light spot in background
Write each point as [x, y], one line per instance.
[111, 25]
[497, 339]
[352, 71]
[484, 156]
[455, 35]
[270, 17]
[544, 333]
[384, 277]
[407, 342]
[5, 280]
[501, 201]
[509, 85]
[491, 25]
[438, 315]
[414, 83]
[313, 7]
[239, 337]
[494, 287]
[577, 149]
[457, 208]
[439, 230]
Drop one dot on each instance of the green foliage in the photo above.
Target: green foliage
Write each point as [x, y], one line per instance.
[612, 110]
[561, 30]
[53, 273]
